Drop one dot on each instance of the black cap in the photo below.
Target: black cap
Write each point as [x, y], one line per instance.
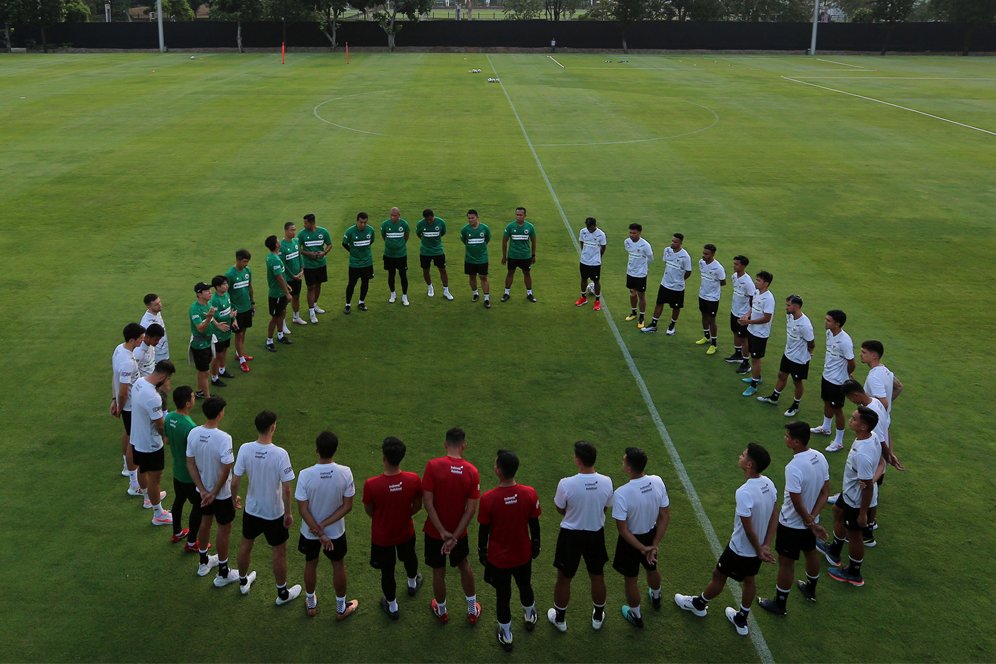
[201, 287]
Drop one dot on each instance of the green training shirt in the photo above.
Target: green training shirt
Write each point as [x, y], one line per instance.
[198, 314]
[222, 314]
[315, 240]
[359, 243]
[177, 428]
[290, 253]
[274, 269]
[238, 287]
[476, 240]
[395, 245]
[432, 236]
[520, 240]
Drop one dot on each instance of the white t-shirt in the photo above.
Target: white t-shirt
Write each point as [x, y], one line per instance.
[805, 474]
[879, 384]
[840, 349]
[639, 502]
[712, 274]
[798, 334]
[676, 264]
[145, 359]
[591, 246]
[125, 372]
[585, 497]
[211, 449]
[756, 498]
[640, 254]
[862, 461]
[146, 408]
[324, 486]
[763, 303]
[268, 467]
[743, 291]
[162, 348]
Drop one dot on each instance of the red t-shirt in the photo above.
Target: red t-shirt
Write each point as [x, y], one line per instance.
[508, 510]
[452, 482]
[391, 497]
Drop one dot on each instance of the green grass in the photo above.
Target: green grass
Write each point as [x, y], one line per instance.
[124, 174]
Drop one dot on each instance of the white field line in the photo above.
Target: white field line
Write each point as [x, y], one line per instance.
[554, 59]
[764, 653]
[887, 103]
[898, 78]
[843, 64]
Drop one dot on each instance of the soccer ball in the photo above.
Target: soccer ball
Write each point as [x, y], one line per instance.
[591, 289]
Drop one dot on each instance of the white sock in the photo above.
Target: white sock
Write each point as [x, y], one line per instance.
[412, 582]
[827, 422]
[392, 606]
[280, 335]
[507, 291]
[441, 608]
[529, 611]
[529, 291]
[158, 509]
[838, 437]
[340, 604]
[446, 289]
[214, 378]
[655, 593]
[506, 630]
[635, 610]
[475, 292]
[269, 341]
[133, 478]
[311, 599]
[124, 461]
[472, 604]
[311, 310]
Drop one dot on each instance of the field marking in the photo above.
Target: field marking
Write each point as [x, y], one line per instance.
[888, 103]
[900, 78]
[755, 633]
[844, 64]
[314, 112]
[554, 59]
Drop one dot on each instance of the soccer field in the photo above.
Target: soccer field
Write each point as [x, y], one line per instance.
[862, 183]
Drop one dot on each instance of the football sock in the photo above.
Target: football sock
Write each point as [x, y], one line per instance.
[280, 334]
[529, 611]
[811, 581]
[441, 608]
[474, 291]
[827, 422]
[561, 614]
[471, 603]
[311, 600]
[243, 579]
[412, 581]
[157, 509]
[795, 404]
[837, 546]
[203, 556]
[311, 310]
[222, 567]
[529, 291]
[269, 341]
[392, 606]
[775, 394]
[282, 591]
[632, 312]
[743, 613]
[506, 630]
[584, 296]
[597, 298]
[508, 291]
[712, 340]
[653, 322]
[635, 611]
[855, 566]
[655, 593]
[838, 437]
[705, 333]
[700, 602]
[340, 604]
[782, 596]
[754, 382]
[487, 297]
[671, 325]
[124, 462]
[642, 314]
[599, 613]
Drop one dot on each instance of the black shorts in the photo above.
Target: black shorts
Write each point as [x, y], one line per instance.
[439, 261]
[244, 319]
[639, 284]
[149, 462]
[273, 529]
[221, 346]
[628, 560]
[709, 307]
[572, 545]
[524, 264]
[395, 263]
[475, 268]
[737, 567]
[316, 275]
[295, 286]
[222, 509]
[832, 394]
[186, 492]
[593, 272]
[501, 577]
[736, 328]
[674, 298]
[794, 369]
[277, 305]
[790, 542]
[383, 557]
[434, 557]
[850, 514]
[364, 273]
[756, 346]
[312, 547]
[126, 421]
[202, 358]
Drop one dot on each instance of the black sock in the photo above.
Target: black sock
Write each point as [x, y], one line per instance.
[282, 592]
[837, 546]
[653, 322]
[223, 568]
[754, 382]
[811, 581]
[243, 581]
[712, 341]
[204, 558]
[599, 613]
[705, 333]
[782, 596]
[742, 614]
[855, 566]
[561, 614]
[671, 325]
[775, 394]
[632, 312]
[795, 403]
[700, 602]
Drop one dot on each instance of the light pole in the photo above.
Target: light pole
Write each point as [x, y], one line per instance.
[159, 20]
[816, 20]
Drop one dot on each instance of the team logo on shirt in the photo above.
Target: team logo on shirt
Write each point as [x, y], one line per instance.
[591, 486]
[456, 470]
[395, 488]
[512, 500]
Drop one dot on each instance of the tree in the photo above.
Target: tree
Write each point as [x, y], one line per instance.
[177, 10]
[521, 10]
[625, 13]
[329, 13]
[891, 11]
[968, 13]
[12, 11]
[288, 10]
[387, 16]
[556, 8]
[238, 11]
[77, 11]
[42, 13]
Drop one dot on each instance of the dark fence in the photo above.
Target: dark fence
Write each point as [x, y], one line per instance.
[905, 37]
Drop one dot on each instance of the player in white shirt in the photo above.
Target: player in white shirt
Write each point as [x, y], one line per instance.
[154, 314]
[837, 368]
[807, 487]
[124, 373]
[639, 253]
[743, 292]
[753, 529]
[583, 500]
[324, 497]
[147, 428]
[268, 504]
[850, 513]
[146, 354]
[642, 513]
[677, 269]
[799, 343]
[758, 323]
[210, 461]
[593, 242]
[713, 279]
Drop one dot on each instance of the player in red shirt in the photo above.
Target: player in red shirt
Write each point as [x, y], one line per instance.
[451, 487]
[391, 499]
[508, 541]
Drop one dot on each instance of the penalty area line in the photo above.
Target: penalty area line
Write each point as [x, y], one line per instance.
[764, 653]
[552, 58]
[843, 64]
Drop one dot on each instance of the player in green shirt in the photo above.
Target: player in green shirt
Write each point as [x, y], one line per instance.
[221, 328]
[432, 229]
[476, 236]
[357, 241]
[279, 294]
[290, 253]
[243, 302]
[201, 316]
[518, 250]
[176, 428]
[395, 232]
[316, 243]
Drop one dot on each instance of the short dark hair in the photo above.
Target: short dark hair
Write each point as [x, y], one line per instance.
[709, 247]
[164, 367]
[743, 260]
[839, 316]
[508, 463]
[636, 458]
[590, 221]
[155, 330]
[799, 430]
[472, 211]
[586, 453]
[309, 217]
[243, 255]
[851, 386]
[271, 242]
[265, 420]
[794, 299]
[427, 213]
[394, 450]
[521, 208]
[875, 346]
[868, 416]
[759, 456]
[326, 443]
[132, 331]
[212, 407]
[181, 396]
[150, 298]
[680, 236]
[765, 276]
[455, 436]
[362, 215]
[636, 227]
[218, 280]
[288, 224]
